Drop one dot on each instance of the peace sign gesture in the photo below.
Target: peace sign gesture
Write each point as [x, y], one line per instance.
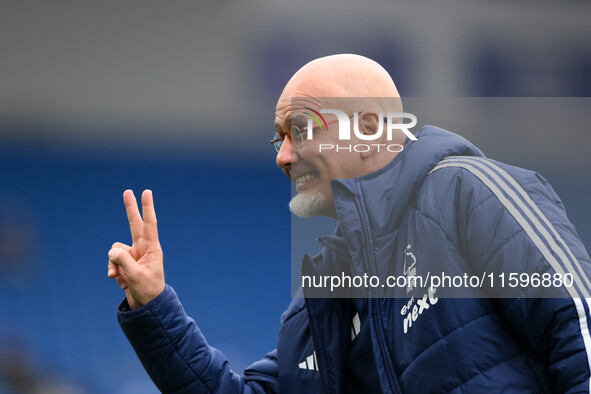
[138, 268]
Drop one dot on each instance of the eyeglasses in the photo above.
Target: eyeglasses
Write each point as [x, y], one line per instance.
[296, 135]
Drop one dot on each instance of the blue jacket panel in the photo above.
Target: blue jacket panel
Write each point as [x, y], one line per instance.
[439, 206]
[177, 357]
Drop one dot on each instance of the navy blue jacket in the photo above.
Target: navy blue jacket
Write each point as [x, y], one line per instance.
[439, 206]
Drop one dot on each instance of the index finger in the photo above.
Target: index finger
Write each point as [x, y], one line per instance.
[133, 215]
[150, 231]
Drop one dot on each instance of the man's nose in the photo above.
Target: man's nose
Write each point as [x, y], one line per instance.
[284, 156]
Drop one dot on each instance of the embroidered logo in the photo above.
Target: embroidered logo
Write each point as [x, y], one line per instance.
[355, 326]
[309, 363]
[415, 307]
[409, 269]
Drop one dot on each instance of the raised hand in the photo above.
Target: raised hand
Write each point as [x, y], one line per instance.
[138, 269]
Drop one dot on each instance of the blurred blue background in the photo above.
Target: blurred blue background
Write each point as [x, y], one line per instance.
[179, 97]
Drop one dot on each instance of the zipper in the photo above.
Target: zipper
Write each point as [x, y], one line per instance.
[390, 375]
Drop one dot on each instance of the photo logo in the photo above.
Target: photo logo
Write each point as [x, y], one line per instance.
[393, 121]
[315, 115]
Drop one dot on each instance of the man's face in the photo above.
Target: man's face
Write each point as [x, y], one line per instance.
[309, 168]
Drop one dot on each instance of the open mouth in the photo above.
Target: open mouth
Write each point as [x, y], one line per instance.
[305, 178]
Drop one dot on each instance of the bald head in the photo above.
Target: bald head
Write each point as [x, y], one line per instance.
[344, 75]
[349, 84]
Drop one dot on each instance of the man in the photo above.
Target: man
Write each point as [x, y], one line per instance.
[436, 201]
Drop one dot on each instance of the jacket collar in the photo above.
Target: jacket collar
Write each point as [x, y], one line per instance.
[386, 193]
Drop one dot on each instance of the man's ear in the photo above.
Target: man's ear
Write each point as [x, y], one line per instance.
[369, 124]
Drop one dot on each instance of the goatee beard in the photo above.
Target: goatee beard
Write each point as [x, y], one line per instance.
[307, 205]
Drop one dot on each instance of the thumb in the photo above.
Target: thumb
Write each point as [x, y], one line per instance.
[123, 259]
